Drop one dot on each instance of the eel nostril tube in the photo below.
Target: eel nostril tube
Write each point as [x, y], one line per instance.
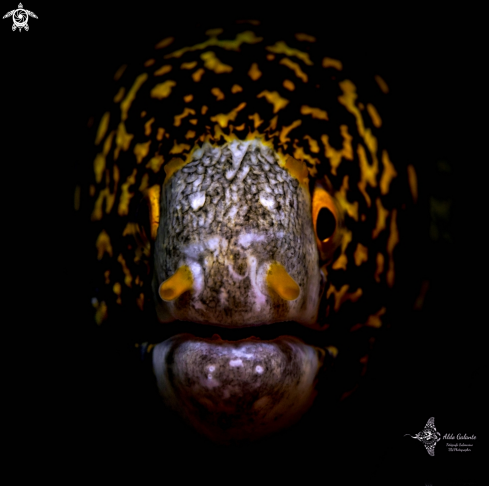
[282, 283]
[181, 281]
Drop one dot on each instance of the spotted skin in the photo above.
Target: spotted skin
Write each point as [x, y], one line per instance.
[238, 84]
[229, 214]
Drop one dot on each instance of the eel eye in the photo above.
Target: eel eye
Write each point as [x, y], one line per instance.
[325, 224]
[325, 217]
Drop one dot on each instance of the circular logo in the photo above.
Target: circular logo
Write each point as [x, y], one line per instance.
[20, 18]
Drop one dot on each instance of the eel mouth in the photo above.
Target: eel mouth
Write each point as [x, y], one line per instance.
[238, 384]
[265, 332]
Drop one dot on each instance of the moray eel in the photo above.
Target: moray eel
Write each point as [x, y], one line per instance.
[245, 220]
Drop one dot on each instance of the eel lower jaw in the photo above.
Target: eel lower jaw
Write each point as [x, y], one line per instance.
[233, 385]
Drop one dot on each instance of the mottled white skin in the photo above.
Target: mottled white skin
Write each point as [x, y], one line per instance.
[237, 391]
[228, 215]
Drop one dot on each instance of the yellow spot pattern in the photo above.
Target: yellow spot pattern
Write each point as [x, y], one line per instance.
[217, 93]
[334, 63]
[188, 65]
[360, 255]
[305, 37]
[376, 120]
[333, 351]
[256, 119]
[299, 154]
[382, 84]
[350, 208]
[164, 43]
[147, 127]
[127, 273]
[120, 72]
[342, 260]
[247, 37]
[178, 148]
[368, 173]
[275, 99]
[313, 144]
[163, 70]
[381, 218]
[282, 48]
[348, 100]
[223, 119]
[340, 263]
[102, 128]
[286, 129]
[387, 174]
[122, 140]
[380, 267]
[197, 75]
[413, 182]
[99, 167]
[155, 163]
[140, 301]
[374, 320]
[117, 291]
[391, 243]
[334, 155]
[126, 104]
[131, 229]
[178, 118]
[289, 85]
[342, 295]
[103, 245]
[254, 73]
[212, 63]
[106, 194]
[126, 196]
[120, 94]
[141, 150]
[162, 90]
[295, 67]
[314, 112]
[143, 187]
[100, 313]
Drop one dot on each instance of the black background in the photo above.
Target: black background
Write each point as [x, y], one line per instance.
[55, 76]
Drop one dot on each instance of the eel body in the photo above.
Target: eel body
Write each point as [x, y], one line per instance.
[246, 218]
